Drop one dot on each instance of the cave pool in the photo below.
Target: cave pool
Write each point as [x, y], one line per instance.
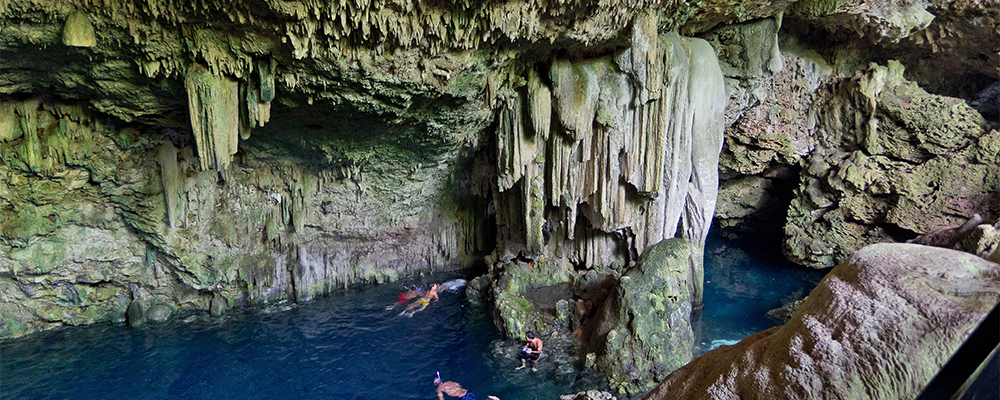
[348, 346]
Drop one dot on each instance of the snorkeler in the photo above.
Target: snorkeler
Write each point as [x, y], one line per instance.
[404, 297]
[422, 302]
[453, 389]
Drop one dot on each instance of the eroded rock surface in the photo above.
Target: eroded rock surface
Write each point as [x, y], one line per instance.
[880, 325]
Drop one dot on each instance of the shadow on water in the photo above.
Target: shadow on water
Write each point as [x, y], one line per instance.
[348, 346]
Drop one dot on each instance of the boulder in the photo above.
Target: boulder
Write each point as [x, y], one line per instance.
[878, 326]
[643, 332]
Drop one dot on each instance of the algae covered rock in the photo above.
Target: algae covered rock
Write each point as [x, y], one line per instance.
[880, 325]
[643, 331]
[526, 296]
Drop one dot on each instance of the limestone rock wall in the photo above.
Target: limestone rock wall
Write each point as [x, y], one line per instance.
[95, 217]
[889, 158]
[199, 142]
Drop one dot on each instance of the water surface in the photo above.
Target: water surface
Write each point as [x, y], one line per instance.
[348, 346]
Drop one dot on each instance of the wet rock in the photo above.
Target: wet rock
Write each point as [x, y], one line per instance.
[880, 325]
[589, 395]
[135, 316]
[218, 306]
[643, 331]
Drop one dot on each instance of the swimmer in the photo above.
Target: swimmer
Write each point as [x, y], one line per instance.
[453, 389]
[422, 302]
[404, 297]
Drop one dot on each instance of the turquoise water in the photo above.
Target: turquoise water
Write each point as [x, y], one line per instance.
[743, 281]
[348, 346]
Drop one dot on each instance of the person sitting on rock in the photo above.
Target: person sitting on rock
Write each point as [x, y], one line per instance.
[531, 351]
[422, 302]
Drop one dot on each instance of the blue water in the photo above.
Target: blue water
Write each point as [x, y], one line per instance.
[347, 346]
[743, 281]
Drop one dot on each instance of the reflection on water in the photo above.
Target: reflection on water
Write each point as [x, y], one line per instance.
[348, 346]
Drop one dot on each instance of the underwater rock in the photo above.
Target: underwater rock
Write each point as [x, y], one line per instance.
[589, 395]
[781, 315]
[880, 325]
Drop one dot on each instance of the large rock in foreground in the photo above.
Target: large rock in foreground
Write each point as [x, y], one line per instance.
[878, 326]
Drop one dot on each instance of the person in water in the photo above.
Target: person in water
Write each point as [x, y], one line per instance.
[422, 302]
[405, 297]
[530, 351]
[453, 389]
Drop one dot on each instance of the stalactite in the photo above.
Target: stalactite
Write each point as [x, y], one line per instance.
[79, 31]
[649, 118]
[258, 112]
[540, 103]
[213, 104]
[30, 149]
[576, 87]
